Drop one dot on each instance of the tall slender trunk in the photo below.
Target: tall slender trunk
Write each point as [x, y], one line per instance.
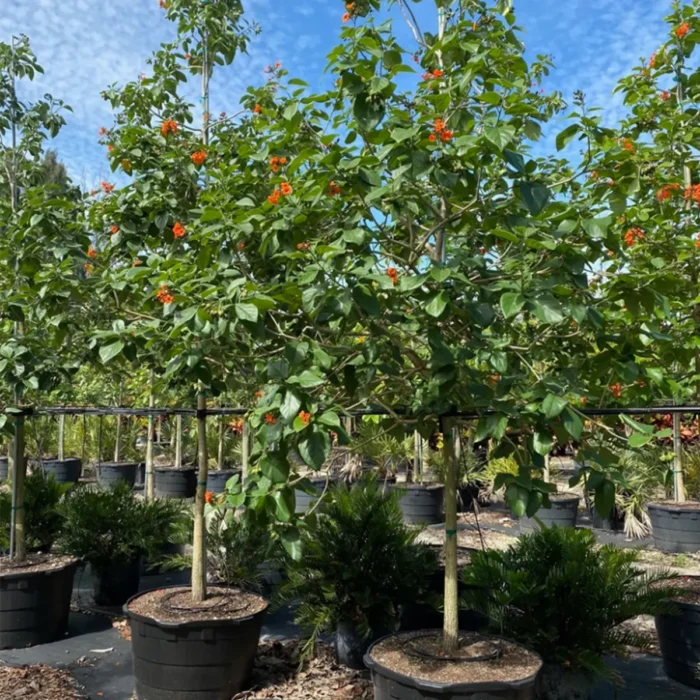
[149, 443]
[61, 435]
[220, 446]
[678, 486]
[18, 545]
[199, 545]
[178, 441]
[118, 435]
[245, 450]
[451, 623]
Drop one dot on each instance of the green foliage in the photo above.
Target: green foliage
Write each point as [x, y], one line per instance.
[103, 526]
[560, 594]
[43, 517]
[359, 563]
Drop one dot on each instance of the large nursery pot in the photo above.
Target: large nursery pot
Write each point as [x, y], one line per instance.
[675, 526]
[34, 605]
[421, 503]
[175, 483]
[399, 674]
[64, 471]
[351, 646]
[109, 473]
[192, 659]
[615, 522]
[563, 513]
[216, 479]
[113, 583]
[679, 641]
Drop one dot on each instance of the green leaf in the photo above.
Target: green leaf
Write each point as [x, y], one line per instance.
[400, 134]
[330, 418]
[572, 422]
[500, 136]
[597, 228]
[285, 504]
[605, 498]
[291, 541]
[366, 299]
[553, 405]
[637, 427]
[368, 111]
[314, 447]
[639, 439]
[247, 312]
[437, 304]
[542, 442]
[275, 467]
[210, 215]
[535, 195]
[517, 499]
[564, 137]
[308, 379]
[511, 303]
[515, 160]
[290, 405]
[407, 283]
[109, 352]
[548, 309]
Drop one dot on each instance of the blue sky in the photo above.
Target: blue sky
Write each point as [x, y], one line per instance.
[85, 45]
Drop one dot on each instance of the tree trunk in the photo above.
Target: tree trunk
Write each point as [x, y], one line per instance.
[18, 544]
[178, 441]
[245, 450]
[199, 554]
[451, 603]
[149, 444]
[61, 435]
[417, 456]
[678, 486]
[220, 450]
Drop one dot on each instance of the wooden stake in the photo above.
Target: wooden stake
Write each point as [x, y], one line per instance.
[450, 638]
[199, 544]
[678, 486]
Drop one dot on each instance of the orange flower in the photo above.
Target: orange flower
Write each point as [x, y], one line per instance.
[110, 148]
[102, 131]
[633, 235]
[240, 245]
[652, 61]
[286, 189]
[334, 189]
[274, 160]
[305, 417]
[209, 497]
[616, 390]
[164, 296]
[257, 109]
[446, 135]
[439, 125]
[438, 73]
[278, 64]
[667, 190]
[136, 262]
[88, 268]
[393, 275]
[114, 229]
[258, 394]
[432, 138]
[283, 160]
[665, 96]
[682, 30]
[350, 6]
[169, 126]
[199, 157]
[697, 242]
[303, 246]
[693, 192]
[584, 400]
[107, 187]
[628, 145]
[346, 17]
[274, 198]
[91, 253]
[179, 230]
[270, 419]
[236, 425]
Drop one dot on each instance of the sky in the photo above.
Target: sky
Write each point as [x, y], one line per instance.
[87, 45]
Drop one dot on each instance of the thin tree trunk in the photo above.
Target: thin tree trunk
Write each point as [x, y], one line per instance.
[678, 486]
[149, 444]
[18, 544]
[220, 446]
[118, 436]
[61, 435]
[245, 450]
[451, 606]
[199, 555]
[178, 441]
[417, 456]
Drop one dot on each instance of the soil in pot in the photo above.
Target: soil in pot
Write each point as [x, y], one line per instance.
[679, 634]
[411, 666]
[114, 583]
[216, 479]
[184, 650]
[675, 526]
[170, 482]
[35, 599]
[421, 503]
[64, 471]
[109, 473]
[563, 513]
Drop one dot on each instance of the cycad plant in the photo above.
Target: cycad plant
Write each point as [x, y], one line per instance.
[561, 595]
[359, 564]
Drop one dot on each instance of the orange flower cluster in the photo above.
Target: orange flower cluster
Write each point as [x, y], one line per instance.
[164, 296]
[350, 7]
[286, 189]
[114, 229]
[88, 268]
[667, 191]
[303, 246]
[240, 245]
[616, 390]
[179, 230]
[107, 187]
[440, 131]
[110, 148]
[276, 161]
[393, 275]
[436, 73]
[137, 262]
[257, 109]
[209, 497]
[665, 96]
[270, 419]
[236, 426]
[334, 189]
[91, 253]
[199, 157]
[304, 417]
[634, 235]
[274, 198]
[258, 394]
[693, 192]
[169, 126]
[628, 145]
[682, 30]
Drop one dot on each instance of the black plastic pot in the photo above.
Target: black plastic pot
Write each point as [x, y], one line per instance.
[109, 473]
[116, 582]
[175, 483]
[615, 522]
[679, 640]
[202, 660]
[304, 500]
[3, 468]
[216, 480]
[421, 503]
[64, 471]
[34, 606]
[351, 647]
[563, 513]
[391, 685]
[675, 528]
[466, 495]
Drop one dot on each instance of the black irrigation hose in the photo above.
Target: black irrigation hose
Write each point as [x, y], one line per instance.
[410, 648]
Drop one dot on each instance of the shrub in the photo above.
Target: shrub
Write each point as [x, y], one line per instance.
[43, 519]
[558, 593]
[359, 563]
[103, 526]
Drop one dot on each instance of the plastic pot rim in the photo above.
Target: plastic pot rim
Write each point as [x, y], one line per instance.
[189, 624]
[30, 574]
[432, 686]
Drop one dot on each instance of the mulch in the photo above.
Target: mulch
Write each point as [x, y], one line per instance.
[37, 683]
[277, 674]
